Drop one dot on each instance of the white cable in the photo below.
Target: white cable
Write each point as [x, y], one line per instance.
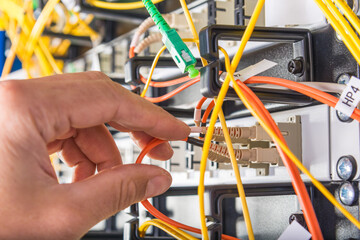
[144, 26]
[197, 129]
[153, 38]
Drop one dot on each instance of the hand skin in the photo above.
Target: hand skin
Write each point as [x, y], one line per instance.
[67, 113]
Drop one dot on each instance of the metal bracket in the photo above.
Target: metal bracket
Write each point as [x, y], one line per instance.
[209, 49]
[133, 65]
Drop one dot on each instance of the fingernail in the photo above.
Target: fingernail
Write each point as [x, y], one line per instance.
[168, 149]
[171, 152]
[158, 185]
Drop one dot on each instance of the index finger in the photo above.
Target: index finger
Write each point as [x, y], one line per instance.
[81, 100]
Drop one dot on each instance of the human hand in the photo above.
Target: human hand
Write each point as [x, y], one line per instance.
[67, 112]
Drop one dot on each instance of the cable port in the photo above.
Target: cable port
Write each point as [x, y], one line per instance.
[254, 147]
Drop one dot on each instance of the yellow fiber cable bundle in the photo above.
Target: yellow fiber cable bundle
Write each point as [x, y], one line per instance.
[26, 22]
[39, 25]
[118, 6]
[32, 43]
[171, 230]
[349, 14]
[341, 26]
[84, 28]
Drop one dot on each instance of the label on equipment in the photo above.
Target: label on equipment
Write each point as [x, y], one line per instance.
[295, 232]
[253, 70]
[350, 97]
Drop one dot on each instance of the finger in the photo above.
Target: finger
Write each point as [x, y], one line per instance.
[83, 100]
[91, 148]
[119, 127]
[55, 146]
[74, 157]
[71, 133]
[113, 190]
[160, 152]
[97, 144]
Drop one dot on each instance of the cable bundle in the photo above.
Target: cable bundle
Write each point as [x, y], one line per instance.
[25, 32]
[262, 115]
[330, 8]
[118, 5]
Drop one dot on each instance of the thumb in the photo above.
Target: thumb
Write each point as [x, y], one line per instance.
[110, 191]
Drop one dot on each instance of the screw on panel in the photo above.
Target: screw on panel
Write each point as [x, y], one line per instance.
[296, 66]
[348, 193]
[346, 167]
[343, 78]
[343, 118]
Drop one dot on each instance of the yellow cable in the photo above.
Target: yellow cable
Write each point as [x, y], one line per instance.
[234, 162]
[225, 86]
[293, 158]
[11, 57]
[342, 21]
[93, 35]
[118, 6]
[171, 230]
[63, 47]
[350, 15]
[24, 20]
[235, 166]
[352, 47]
[39, 26]
[49, 57]
[3, 22]
[194, 40]
[13, 10]
[178, 230]
[45, 61]
[156, 59]
[192, 27]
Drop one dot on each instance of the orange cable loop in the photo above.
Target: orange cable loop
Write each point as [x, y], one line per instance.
[174, 92]
[156, 213]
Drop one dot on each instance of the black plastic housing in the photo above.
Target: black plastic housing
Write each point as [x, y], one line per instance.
[300, 39]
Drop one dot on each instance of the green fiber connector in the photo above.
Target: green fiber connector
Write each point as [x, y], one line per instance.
[176, 46]
[179, 52]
